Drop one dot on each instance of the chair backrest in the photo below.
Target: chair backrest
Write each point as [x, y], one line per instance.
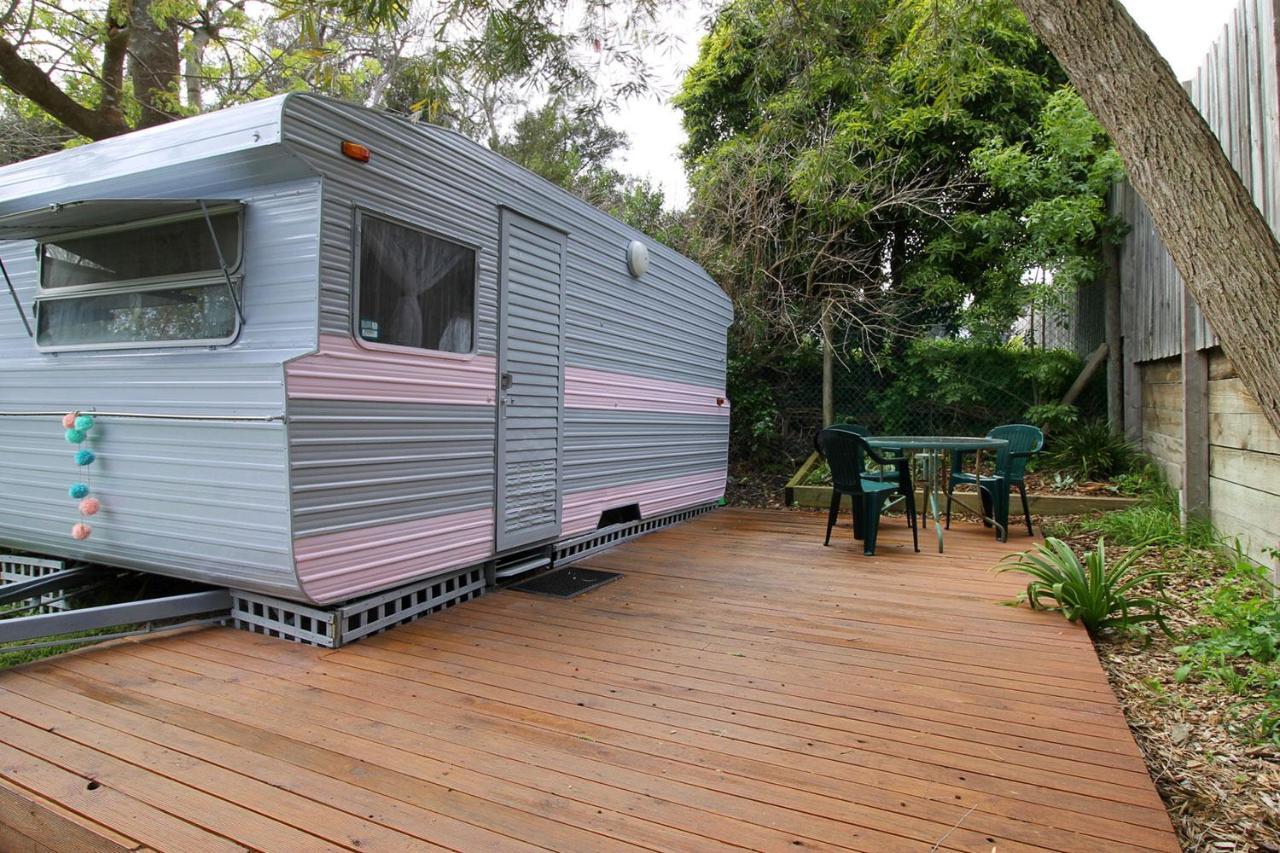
[856, 429]
[1023, 439]
[846, 455]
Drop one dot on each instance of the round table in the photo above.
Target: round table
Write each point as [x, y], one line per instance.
[927, 450]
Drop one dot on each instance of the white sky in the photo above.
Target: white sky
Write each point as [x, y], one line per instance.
[1182, 30]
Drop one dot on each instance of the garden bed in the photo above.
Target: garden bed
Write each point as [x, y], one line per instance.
[804, 490]
[1203, 698]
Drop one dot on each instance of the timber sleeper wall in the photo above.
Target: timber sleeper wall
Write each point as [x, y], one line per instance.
[1244, 451]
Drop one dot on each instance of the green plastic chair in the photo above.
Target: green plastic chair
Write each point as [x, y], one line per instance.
[846, 453]
[1009, 473]
[899, 473]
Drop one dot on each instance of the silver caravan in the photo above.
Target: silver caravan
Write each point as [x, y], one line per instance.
[326, 352]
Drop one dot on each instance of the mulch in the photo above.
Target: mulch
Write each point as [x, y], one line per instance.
[1221, 790]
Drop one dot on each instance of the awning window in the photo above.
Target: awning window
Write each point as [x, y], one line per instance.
[54, 220]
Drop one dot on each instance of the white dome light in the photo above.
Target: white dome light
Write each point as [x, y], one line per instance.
[637, 258]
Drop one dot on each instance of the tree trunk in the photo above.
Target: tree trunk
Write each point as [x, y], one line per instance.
[154, 63]
[1218, 239]
[195, 68]
[828, 369]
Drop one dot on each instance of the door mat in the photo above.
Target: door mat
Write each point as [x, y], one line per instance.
[567, 582]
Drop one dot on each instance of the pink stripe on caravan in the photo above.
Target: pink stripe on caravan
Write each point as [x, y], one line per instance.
[582, 509]
[597, 389]
[337, 566]
[344, 370]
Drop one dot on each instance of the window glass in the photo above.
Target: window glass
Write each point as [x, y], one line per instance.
[175, 249]
[199, 313]
[416, 290]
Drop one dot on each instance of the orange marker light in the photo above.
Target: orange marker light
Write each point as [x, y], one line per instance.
[355, 151]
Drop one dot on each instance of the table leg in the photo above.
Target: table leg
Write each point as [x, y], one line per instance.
[929, 469]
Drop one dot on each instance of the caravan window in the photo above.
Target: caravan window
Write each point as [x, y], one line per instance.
[166, 250]
[414, 289]
[149, 283]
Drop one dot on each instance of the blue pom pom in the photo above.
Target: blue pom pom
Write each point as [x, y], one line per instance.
[84, 423]
[78, 490]
[75, 436]
[85, 457]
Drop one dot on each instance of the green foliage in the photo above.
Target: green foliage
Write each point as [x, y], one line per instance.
[829, 148]
[1235, 645]
[1054, 417]
[1154, 521]
[1056, 184]
[968, 386]
[1091, 451]
[1099, 595]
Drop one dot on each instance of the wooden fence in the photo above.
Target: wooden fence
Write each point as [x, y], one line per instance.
[1182, 398]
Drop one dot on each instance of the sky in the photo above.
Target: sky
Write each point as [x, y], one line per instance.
[1181, 30]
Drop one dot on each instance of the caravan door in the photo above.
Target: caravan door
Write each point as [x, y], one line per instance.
[530, 381]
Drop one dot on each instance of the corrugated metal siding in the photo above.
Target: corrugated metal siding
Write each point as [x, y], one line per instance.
[611, 448]
[359, 463]
[207, 500]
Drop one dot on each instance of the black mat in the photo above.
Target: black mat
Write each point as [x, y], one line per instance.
[567, 582]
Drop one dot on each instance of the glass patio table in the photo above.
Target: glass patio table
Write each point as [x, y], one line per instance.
[927, 452]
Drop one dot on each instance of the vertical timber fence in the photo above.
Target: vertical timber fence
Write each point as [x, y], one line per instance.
[1183, 399]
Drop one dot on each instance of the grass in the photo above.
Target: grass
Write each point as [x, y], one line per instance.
[1154, 521]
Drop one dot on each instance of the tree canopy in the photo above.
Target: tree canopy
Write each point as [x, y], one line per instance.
[906, 163]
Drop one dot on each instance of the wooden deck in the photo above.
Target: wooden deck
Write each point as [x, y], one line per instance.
[741, 686]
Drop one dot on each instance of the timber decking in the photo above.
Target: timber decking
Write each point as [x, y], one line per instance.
[741, 686]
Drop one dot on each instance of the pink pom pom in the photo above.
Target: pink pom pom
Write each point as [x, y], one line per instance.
[69, 420]
[80, 530]
[90, 506]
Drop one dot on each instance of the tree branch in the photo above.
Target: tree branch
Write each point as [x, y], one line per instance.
[28, 80]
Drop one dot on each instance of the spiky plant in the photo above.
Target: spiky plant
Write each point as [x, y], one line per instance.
[1099, 596]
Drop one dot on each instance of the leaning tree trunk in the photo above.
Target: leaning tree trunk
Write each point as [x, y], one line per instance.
[1218, 239]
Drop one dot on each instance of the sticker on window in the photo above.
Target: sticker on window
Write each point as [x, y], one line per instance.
[369, 330]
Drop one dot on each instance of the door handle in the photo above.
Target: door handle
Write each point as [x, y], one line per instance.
[506, 381]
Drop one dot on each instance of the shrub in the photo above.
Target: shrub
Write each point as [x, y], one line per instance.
[1098, 595]
[1091, 451]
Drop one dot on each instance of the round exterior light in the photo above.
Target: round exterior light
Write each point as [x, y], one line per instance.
[637, 258]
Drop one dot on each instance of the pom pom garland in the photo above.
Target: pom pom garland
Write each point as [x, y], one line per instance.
[76, 428]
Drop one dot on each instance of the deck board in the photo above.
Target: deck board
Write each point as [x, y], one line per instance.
[740, 687]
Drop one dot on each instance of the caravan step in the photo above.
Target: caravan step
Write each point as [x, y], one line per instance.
[520, 568]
